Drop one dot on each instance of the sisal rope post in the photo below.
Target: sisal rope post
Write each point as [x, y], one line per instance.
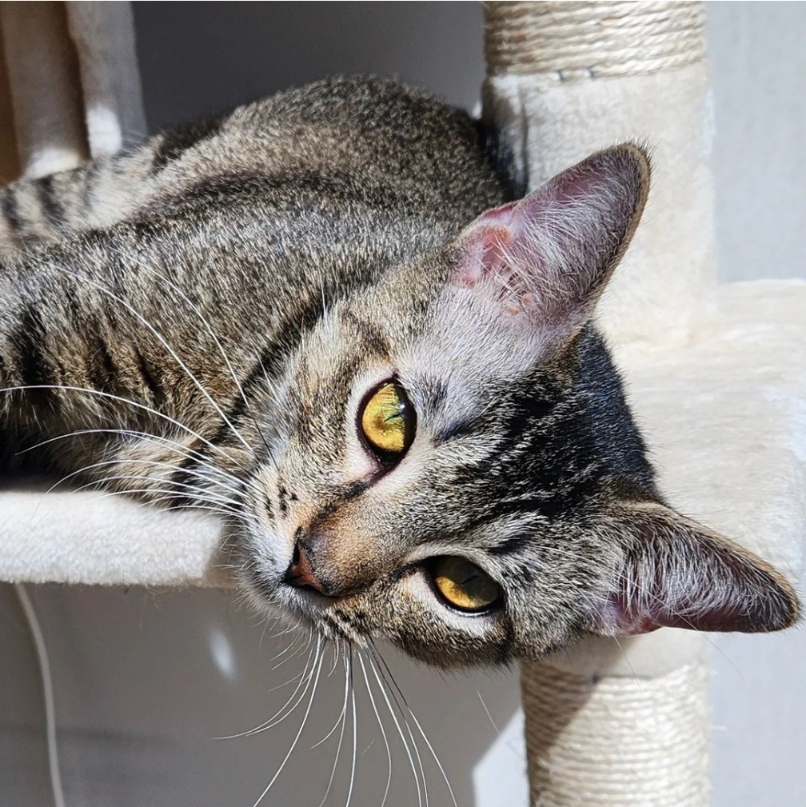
[575, 41]
[626, 723]
[629, 741]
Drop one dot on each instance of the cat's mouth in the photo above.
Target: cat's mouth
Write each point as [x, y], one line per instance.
[300, 603]
[322, 611]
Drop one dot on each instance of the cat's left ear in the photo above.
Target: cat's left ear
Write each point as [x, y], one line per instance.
[549, 256]
[676, 573]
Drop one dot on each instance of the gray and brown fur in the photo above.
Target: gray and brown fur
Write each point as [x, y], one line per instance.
[203, 316]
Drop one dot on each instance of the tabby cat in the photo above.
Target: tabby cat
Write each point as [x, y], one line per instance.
[326, 317]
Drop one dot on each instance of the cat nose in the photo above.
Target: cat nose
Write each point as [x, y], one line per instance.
[300, 572]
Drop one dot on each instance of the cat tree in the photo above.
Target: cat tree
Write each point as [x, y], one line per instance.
[716, 374]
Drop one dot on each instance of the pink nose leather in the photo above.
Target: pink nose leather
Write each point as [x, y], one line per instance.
[300, 573]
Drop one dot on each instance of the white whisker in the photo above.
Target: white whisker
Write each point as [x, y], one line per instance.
[291, 644]
[339, 718]
[223, 353]
[104, 290]
[285, 709]
[301, 649]
[167, 442]
[151, 463]
[355, 734]
[487, 712]
[343, 721]
[166, 498]
[434, 755]
[301, 727]
[197, 496]
[336, 647]
[210, 330]
[136, 404]
[388, 672]
[383, 731]
[399, 730]
[419, 728]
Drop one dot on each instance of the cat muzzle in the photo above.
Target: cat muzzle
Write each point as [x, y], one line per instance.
[336, 560]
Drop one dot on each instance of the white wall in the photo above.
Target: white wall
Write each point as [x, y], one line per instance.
[759, 78]
[145, 681]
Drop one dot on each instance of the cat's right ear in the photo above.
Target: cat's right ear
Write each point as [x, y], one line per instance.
[548, 257]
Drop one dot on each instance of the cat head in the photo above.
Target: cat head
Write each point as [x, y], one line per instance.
[454, 467]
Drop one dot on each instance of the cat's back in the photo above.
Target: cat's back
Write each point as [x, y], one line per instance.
[362, 155]
[364, 139]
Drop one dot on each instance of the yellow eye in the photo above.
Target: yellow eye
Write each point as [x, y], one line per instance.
[388, 421]
[464, 585]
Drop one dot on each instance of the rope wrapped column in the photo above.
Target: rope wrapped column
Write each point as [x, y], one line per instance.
[629, 740]
[566, 79]
[618, 723]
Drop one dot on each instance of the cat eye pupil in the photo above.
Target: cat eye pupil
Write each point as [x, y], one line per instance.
[387, 421]
[463, 585]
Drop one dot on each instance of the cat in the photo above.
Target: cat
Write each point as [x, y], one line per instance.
[333, 318]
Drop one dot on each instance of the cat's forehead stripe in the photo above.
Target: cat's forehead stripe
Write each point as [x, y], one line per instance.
[373, 338]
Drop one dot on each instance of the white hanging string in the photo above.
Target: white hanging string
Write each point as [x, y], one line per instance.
[47, 690]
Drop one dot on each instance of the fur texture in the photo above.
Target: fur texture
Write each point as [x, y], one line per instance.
[199, 323]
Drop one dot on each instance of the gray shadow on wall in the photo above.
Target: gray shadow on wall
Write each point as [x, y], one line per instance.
[198, 58]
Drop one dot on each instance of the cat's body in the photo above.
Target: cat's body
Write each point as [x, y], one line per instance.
[260, 218]
[219, 309]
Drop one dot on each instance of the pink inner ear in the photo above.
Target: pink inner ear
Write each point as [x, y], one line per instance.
[663, 589]
[549, 255]
[483, 247]
[646, 613]
[583, 181]
[677, 574]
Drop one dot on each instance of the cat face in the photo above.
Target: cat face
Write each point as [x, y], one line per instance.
[454, 467]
